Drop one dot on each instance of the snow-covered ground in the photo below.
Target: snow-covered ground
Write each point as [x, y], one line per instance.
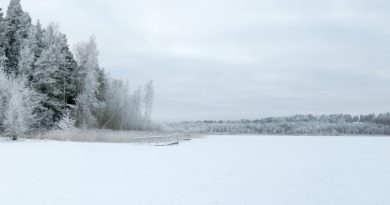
[228, 170]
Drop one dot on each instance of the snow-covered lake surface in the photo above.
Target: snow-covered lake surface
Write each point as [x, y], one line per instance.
[228, 170]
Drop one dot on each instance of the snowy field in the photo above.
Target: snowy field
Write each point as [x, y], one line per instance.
[228, 170]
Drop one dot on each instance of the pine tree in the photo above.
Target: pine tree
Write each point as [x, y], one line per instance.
[2, 41]
[101, 96]
[70, 68]
[27, 56]
[52, 76]
[39, 33]
[31, 50]
[67, 121]
[42, 58]
[16, 29]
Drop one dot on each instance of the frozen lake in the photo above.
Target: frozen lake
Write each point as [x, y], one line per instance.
[228, 170]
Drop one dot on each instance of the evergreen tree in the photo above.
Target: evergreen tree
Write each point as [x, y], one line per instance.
[70, 69]
[42, 58]
[101, 96]
[67, 121]
[39, 32]
[53, 76]
[16, 29]
[27, 56]
[31, 50]
[2, 41]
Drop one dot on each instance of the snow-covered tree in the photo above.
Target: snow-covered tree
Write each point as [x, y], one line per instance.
[101, 96]
[69, 67]
[27, 56]
[3, 41]
[123, 108]
[42, 58]
[17, 106]
[87, 102]
[31, 49]
[4, 98]
[336, 124]
[48, 78]
[148, 102]
[54, 74]
[115, 105]
[16, 28]
[136, 119]
[67, 122]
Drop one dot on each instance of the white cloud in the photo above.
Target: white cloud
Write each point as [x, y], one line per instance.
[239, 58]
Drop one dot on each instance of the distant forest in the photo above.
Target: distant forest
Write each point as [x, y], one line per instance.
[335, 124]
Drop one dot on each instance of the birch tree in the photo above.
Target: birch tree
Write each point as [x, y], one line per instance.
[148, 103]
[87, 102]
[17, 107]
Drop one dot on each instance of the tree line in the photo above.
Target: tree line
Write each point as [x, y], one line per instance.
[335, 124]
[44, 85]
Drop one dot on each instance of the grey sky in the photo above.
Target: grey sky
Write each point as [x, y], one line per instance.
[233, 59]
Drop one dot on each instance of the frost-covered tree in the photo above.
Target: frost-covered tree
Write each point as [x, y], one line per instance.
[59, 80]
[71, 80]
[101, 96]
[87, 101]
[31, 49]
[39, 40]
[3, 41]
[119, 113]
[16, 28]
[102, 85]
[336, 124]
[148, 103]
[136, 119]
[67, 122]
[48, 78]
[125, 110]
[4, 98]
[27, 56]
[17, 107]
[115, 109]
[54, 74]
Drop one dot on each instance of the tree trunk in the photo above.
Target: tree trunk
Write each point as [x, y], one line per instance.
[14, 137]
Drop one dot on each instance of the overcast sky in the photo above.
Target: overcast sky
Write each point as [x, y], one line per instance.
[233, 59]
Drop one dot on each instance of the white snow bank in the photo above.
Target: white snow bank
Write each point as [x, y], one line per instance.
[226, 170]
